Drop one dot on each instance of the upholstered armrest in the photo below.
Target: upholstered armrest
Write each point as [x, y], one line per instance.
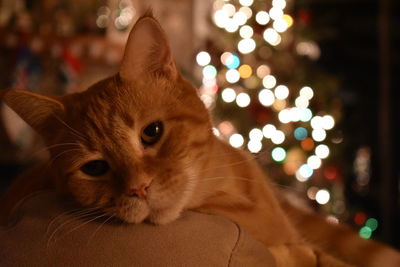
[44, 232]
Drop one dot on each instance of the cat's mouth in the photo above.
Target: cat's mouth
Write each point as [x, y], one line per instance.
[131, 210]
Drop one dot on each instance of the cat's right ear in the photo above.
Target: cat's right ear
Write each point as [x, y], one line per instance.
[147, 52]
[35, 109]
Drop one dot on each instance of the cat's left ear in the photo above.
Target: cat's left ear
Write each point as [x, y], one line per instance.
[147, 52]
[34, 109]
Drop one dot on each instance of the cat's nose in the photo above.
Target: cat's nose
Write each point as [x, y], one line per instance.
[138, 191]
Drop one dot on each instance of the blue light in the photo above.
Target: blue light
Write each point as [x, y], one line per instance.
[278, 154]
[306, 115]
[300, 133]
[305, 171]
[233, 62]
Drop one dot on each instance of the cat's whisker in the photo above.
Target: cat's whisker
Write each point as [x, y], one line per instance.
[86, 222]
[73, 213]
[72, 130]
[98, 228]
[87, 213]
[49, 147]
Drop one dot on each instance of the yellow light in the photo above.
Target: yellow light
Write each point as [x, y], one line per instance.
[288, 19]
[245, 71]
[279, 104]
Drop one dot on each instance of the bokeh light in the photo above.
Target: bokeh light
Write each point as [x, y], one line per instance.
[203, 58]
[243, 100]
[228, 95]
[236, 140]
[278, 154]
[266, 97]
[322, 196]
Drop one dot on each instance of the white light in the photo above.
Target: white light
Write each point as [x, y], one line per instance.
[243, 100]
[254, 146]
[240, 18]
[322, 151]
[231, 26]
[307, 92]
[279, 3]
[246, 31]
[318, 135]
[295, 114]
[262, 18]
[229, 9]
[246, 46]
[256, 134]
[281, 92]
[284, 116]
[216, 132]
[304, 173]
[246, 10]
[272, 36]
[317, 122]
[232, 76]
[269, 81]
[246, 2]
[278, 137]
[328, 122]
[302, 102]
[314, 162]
[220, 19]
[236, 140]
[266, 97]
[280, 25]
[203, 58]
[322, 196]
[268, 130]
[228, 95]
[275, 13]
[207, 100]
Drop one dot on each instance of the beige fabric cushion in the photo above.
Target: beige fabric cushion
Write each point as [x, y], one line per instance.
[44, 233]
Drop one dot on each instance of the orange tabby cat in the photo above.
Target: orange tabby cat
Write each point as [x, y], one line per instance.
[139, 146]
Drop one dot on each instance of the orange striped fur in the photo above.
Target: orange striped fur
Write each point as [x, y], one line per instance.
[188, 168]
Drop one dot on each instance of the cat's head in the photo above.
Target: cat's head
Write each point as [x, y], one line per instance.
[132, 143]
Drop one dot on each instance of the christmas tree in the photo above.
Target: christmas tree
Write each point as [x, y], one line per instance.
[261, 80]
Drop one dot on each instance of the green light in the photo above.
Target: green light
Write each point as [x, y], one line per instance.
[278, 154]
[365, 232]
[372, 223]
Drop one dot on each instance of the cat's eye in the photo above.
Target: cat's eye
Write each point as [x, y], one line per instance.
[95, 168]
[152, 133]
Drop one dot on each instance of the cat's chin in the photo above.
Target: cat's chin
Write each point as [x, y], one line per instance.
[164, 216]
[131, 211]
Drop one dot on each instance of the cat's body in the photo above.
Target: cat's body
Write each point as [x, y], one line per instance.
[139, 146]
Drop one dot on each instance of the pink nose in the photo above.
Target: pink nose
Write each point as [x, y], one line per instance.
[138, 191]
